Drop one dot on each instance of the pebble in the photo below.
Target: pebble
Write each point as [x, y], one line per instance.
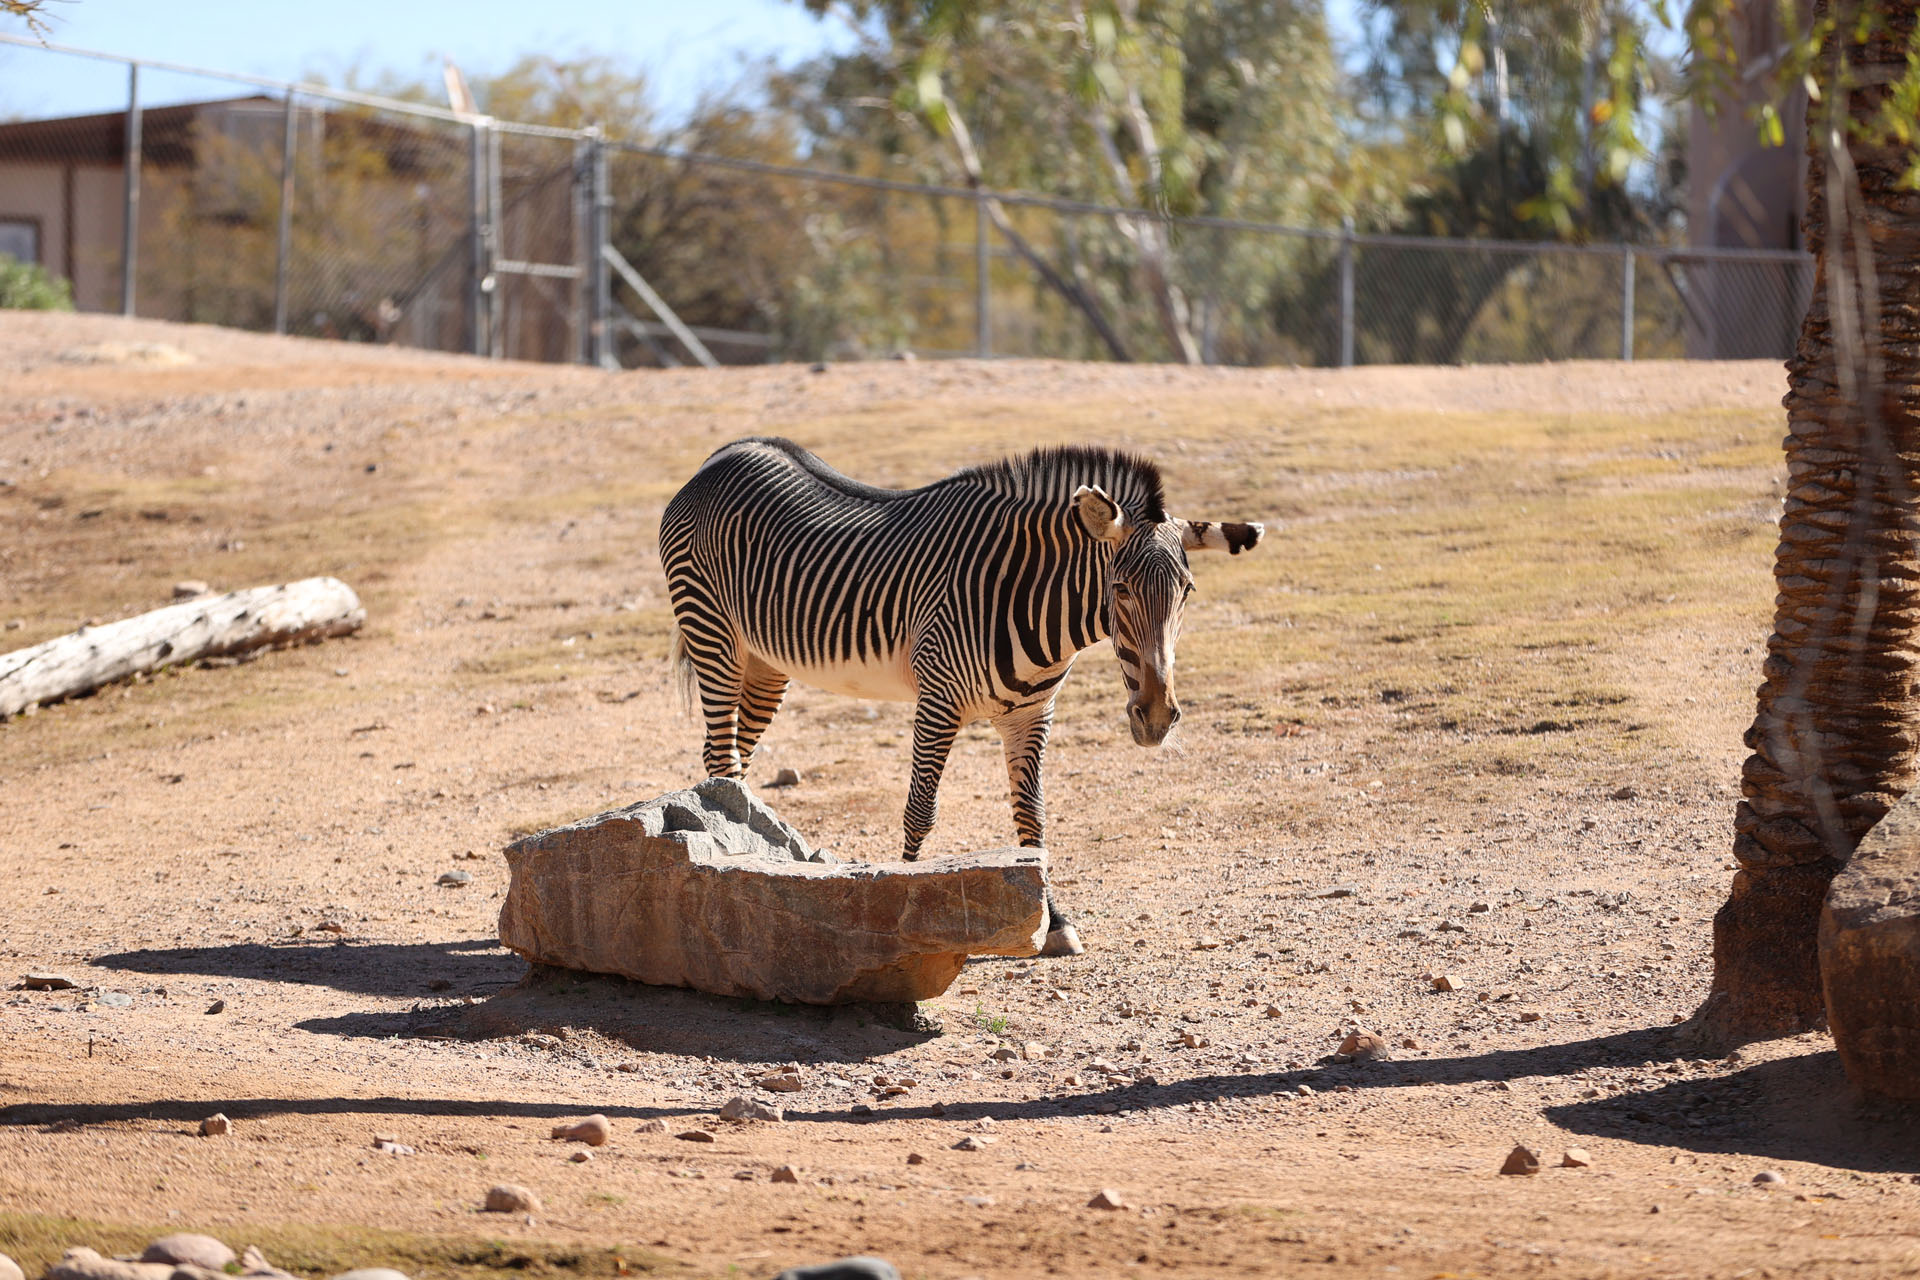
[977, 1202]
[652, 1126]
[581, 1157]
[391, 1146]
[786, 1173]
[1339, 891]
[1445, 982]
[455, 879]
[1770, 1178]
[1521, 1159]
[1626, 793]
[1194, 1040]
[215, 1125]
[1272, 1011]
[1363, 1046]
[1005, 1053]
[1576, 1158]
[218, 1006]
[744, 1108]
[189, 1249]
[1409, 1043]
[974, 1142]
[695, 1135]
[1034, 1051]
[595, 1130]
[187, 588]
[783, 1081]
[914, 1157]
[1479, 908]
[1450, 926]
[509, 1197]
[47, 982]
[1106, 1198]
[786, 778]
[1529, 1016]
[1207, 943]
[116, 1000]
[844, 1269]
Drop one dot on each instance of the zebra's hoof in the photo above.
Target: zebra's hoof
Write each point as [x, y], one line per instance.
[1064, 941]
[909, 857]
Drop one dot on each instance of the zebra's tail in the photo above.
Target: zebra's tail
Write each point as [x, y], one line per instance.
[680, 665]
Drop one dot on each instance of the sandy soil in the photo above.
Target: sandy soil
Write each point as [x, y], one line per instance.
[269, 835]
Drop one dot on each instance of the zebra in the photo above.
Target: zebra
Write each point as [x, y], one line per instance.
[969, 597]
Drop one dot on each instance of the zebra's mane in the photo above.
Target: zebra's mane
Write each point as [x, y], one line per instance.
[1053, 474]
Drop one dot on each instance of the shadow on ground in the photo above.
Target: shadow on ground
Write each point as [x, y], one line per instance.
[467, 966]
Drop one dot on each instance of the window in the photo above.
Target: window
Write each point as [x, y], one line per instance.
[20, 238]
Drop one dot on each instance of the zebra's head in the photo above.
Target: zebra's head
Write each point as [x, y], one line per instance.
[1147, 587]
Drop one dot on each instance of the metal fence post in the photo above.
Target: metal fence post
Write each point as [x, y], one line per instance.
[599, 279]
[130, 234]
[982, 315]
[479, 283]
[285, 239]
[1346, 293]
[1626, 302]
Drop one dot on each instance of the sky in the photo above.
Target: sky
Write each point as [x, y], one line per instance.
[686, 48]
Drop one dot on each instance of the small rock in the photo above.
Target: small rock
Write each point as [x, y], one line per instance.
[1529, 1016]
[977, 1202]
[652, 1126]
[218, 1006]
[782, 1082]
[744, 1108]
[47, 982]
[1206, 943]
[1106, 1198]
[81, 1263]
[695, 1135]
[844, 1269]
[1272, 1011]
[1034, 1051]
[786, 1173]
[595, 1130]
[974, 1142]
[1479, 908]
[1194, 1040]
[914, 1157]
[1339, 891]
[508, 1197]
[187, 588]
[1409, 1043]
[455, 879]
[581, 1157]
[1305, 1090]
[785, 778]
[215, 1125]
[254, 1263]
[1005, 1053]
[9, 1269]
[1626, 793]
[116, 1000]
[1770, 1178]
[1362, 1046]
[1446, 982]
[1450, 926]
[1576, 1158]
[186, 1248]
[1521, 1160]
[392, 1146]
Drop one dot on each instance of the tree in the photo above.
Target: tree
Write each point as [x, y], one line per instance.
[1835, 733]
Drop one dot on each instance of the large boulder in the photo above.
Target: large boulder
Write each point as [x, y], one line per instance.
[708, 888]
[1870, 956]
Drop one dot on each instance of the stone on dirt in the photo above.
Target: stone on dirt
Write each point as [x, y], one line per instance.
[708, 888]
[785, 778]
[652, 1126]
[844, 1269]
[1445, 982]
[974, 1142]
[786, 1173]
[1770, 1178]
[695, 1135]
[595, 1130]
[186, 1248]
[741, 1107]
[81, 1263]
[215, 1125]
[1362, 1046]
[1521, 1159]
[455, 879]
[509, 1197]
[1870, 956]
[1106, 1198]
[1576, 1158]
[581, 1157]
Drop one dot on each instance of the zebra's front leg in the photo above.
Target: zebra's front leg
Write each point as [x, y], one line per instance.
[935, 725]
[1023, 734]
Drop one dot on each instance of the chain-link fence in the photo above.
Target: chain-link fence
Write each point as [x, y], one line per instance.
[201, 196]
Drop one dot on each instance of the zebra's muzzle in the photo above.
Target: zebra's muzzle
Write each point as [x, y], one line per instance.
[1152, 722]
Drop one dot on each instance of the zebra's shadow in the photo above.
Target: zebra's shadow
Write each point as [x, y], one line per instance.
[597, 1018]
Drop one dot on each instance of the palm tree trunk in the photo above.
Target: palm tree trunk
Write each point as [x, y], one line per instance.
[1835, 733]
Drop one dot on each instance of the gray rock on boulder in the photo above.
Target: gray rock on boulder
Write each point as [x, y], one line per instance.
[187, 1249]
[708, 888]
[82, 1263]
[1870, 956]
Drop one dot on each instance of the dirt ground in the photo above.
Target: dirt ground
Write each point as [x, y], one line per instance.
[1474, 709]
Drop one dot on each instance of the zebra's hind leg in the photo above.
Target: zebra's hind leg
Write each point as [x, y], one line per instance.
[935, 725]
[717, 671]
[1023, 734]
[761, 691]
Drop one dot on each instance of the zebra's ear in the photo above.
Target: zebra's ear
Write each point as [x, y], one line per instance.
[1100, 514]
[1209, 535]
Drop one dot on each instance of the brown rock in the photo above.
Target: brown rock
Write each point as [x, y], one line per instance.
[581, 1157]
[786, 1173]
[1445, 982]
[655, 1125]
[1106, 1198]
[1363, 1046]
[1870, 956]
[47, 982]
[509, 1197]
[595, 1130]
[708, 888]
[695, 1135]
[914, 1157]
[1576, 1158]
[187, 1249]
[1770, 1178]
[782, 1082]
[215, 1125]
[744, 1108]
[1521, 1160]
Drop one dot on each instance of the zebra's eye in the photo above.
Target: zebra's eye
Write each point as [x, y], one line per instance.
[1120, 591]
[1187, 594]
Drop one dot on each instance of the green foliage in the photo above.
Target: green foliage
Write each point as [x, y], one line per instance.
[28, 286]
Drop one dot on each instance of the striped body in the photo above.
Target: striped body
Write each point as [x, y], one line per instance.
[969, 596]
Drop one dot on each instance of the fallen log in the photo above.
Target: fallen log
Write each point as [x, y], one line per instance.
[210, 627]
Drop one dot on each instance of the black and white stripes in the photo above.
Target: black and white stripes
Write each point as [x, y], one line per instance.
[969, 596]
